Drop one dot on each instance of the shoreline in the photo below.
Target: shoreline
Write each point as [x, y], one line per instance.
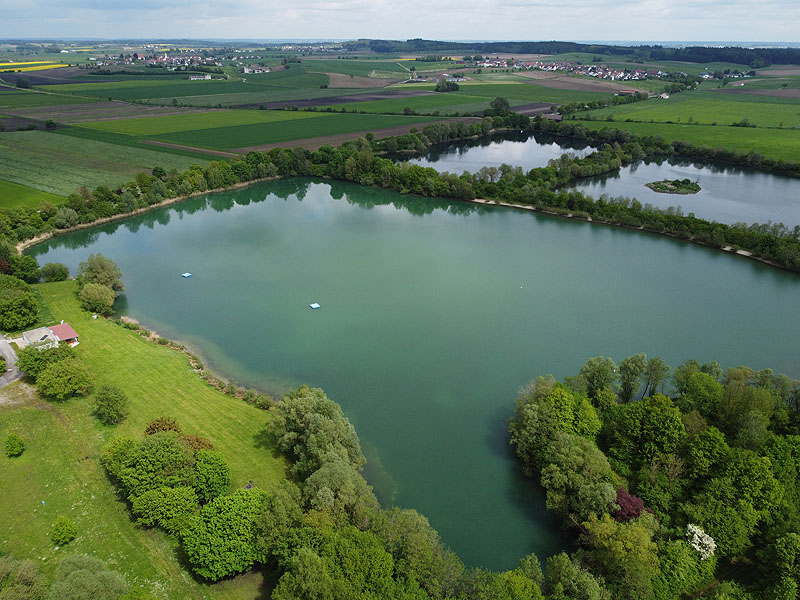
[22, 246]
[29, 243]
[569, 215]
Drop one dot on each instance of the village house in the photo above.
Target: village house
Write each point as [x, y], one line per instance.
[50, 337]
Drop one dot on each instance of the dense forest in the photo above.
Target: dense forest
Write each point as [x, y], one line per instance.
[695, 493]
[755, 57]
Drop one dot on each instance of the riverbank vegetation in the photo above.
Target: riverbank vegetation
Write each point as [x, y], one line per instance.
[689, 494]
[674, 186]
[545, 188]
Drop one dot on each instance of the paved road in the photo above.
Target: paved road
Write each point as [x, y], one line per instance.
[12, 372]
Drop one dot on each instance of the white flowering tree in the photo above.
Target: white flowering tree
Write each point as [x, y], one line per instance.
[703, 543]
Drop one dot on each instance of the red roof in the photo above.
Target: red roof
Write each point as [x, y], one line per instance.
[63, 331]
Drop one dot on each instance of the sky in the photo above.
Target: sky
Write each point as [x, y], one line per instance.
[619, 20]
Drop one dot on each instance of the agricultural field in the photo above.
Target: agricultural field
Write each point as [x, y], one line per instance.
[60, 164]
[708, 108]
[13, 195]
[381, 69]
[60, 472]
[15, 99]
[152, 126]
[267, 95]
[260, 134]
[519, 91]
[445, 103]
[781, 144]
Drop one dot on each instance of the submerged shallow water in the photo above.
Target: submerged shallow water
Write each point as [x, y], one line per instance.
[433, 314]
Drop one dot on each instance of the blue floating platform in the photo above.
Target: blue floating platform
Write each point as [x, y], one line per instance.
[186, 274]
[315, 305]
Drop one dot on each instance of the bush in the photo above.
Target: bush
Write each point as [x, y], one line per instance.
[54, 272]
[170, 508]
[65, 217]
[102, 270]
[24, 267]
[64, 379]
[162, 424]
[18, 306]
[14, 445]
[82, 577]
[98, 298]
[111, 405]
[196, 442]
[32, 361]
[64, 531]
[212, 477]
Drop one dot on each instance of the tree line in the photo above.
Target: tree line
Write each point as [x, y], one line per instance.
[362, 161]
[692, 494]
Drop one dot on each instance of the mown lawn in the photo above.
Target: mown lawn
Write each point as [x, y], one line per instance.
[60, 465]
[773, 143]
[13, 195]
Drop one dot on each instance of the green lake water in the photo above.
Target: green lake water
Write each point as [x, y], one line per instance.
[433, 315]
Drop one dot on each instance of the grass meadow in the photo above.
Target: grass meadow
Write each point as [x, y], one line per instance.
[708, 108]
[60, 164]
[60, 473]
[13, 195]
[774, 143]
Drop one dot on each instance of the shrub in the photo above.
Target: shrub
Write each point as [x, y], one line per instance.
[102, 270]
[162, 424]
[170, 508]
[65, 217]
[24, 267]
[64, 379]
[33, 361]
[54, 272]
[221, 539]
[64, 531]
[82, 577]
[18, 306]
[96, 297]
[196, 442]
[14, 445]
[211, 475]
[111, 405]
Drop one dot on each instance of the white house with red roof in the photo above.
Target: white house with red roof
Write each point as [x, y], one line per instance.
[49, 337]
[65, 333]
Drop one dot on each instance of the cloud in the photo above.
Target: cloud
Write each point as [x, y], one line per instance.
[667, 20]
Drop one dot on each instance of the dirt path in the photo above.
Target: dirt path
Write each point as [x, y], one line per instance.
[336, 140]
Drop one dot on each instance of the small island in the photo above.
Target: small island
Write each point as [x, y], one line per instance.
[674, 186]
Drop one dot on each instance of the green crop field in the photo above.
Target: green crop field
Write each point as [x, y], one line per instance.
[149, 126]
[60, 164]
[360, 68]
[295, 78]
[137, 90]
[709, 108]
[241, 136]
[13, 195]
[262, 93]
[774, 143]
[445, 103]
[527, 93]
[27, 99]
[60, 473]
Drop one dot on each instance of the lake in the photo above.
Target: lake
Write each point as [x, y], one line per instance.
[434, 313]
[728, 194]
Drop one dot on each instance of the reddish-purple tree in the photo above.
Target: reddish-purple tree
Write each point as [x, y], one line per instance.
[630, 506]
